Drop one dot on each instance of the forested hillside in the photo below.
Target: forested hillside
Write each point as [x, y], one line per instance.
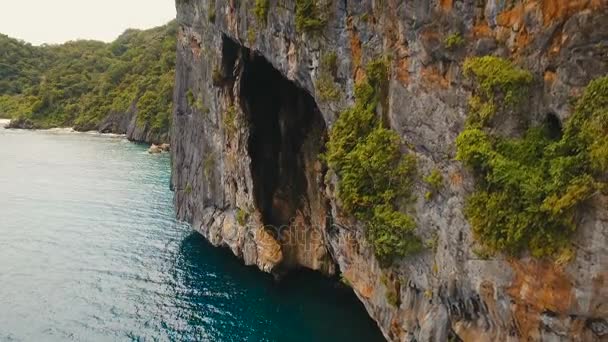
[126, 85]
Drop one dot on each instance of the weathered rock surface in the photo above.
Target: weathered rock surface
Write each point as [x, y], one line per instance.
[245, 154]
[126, 123]
[155, 149]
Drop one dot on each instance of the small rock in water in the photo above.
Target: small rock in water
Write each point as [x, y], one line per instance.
[165, 147]
[155, 149]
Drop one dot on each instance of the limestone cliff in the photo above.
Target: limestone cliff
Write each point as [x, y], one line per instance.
[251, 119]
[126, 123]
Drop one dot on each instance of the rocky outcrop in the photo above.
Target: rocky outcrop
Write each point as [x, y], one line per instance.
[251, 119]
[126, 123]
[155, 149]
[21, 123]
[117, 123]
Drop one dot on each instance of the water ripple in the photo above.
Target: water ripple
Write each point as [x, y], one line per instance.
[90, 251]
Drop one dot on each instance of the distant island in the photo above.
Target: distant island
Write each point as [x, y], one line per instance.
[121, 87]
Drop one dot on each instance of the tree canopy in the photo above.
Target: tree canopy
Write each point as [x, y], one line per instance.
[80, 83]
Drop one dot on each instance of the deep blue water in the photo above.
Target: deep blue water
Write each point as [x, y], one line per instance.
[89, 251]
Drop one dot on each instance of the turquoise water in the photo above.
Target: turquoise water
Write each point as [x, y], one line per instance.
[89, 251]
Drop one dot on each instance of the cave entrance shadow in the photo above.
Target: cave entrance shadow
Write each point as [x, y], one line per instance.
[553, 126]
[287, 132]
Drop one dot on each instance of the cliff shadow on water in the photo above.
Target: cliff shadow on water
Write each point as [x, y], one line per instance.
[304, 306]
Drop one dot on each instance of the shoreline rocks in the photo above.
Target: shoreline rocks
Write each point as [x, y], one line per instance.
[21, 123]
[155, 149]
[140, 135]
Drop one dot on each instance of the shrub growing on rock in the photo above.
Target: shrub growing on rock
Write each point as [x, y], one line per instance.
[374, 176]
[211, 11]
[229, 121]
[529, 188]
[435, 182]
[453, 41]
[498, 76]
[242, 216]
[325, 83]
[261, 10]
[309, 16]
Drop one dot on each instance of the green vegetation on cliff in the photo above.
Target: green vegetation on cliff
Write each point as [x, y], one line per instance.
[375, 178]
[529, 187]
[80, 83]
[500, 85]
[310, 16]
[435, 182]
[326, 86]
[261, 10]
[453, 41]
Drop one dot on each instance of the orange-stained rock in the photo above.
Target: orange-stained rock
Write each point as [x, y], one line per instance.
[396, 42]
[401, 70]
[355, 48]
[433, 77]
[538, 286]
[549, 77]
[555, 10]
[482, 29]
[456, 179]
[446, 5]
[303, 245]
[514, 18]
[361, 287]
[269, 250]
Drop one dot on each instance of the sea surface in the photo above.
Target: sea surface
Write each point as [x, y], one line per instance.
[90, 251]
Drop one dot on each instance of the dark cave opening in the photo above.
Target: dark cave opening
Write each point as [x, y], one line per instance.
[286, 132]
[553, 126]
[224, 76]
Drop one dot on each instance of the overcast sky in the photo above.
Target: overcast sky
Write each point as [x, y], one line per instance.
[57, 21]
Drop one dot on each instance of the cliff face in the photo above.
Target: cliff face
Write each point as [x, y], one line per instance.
[126, 123]
[252, 117]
